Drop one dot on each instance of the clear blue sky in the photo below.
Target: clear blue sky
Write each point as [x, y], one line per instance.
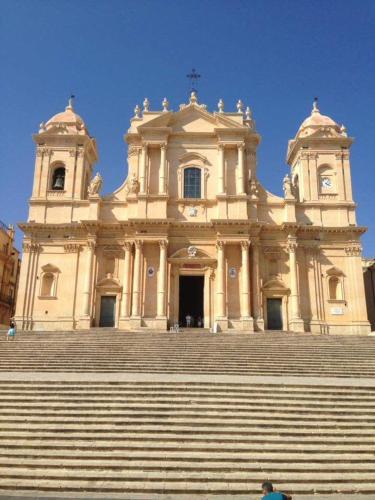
[275, 55]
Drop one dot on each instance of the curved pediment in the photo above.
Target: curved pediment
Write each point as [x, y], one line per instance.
[193, 156]
[190, 253]
[50, 268]
[275, 284]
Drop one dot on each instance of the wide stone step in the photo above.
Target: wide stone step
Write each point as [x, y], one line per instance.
[16, 388]
[180, 486]
[166, 464]
[260, 424]
[131, 428]
[98, 474]
[124, 437]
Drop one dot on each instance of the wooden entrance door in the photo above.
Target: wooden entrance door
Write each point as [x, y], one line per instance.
[107, 310]
[274, 314]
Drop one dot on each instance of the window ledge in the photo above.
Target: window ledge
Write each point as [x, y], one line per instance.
[337, 301]
[46, 297]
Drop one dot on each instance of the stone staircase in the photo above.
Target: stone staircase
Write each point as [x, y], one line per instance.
[227, 354]
[187, 416]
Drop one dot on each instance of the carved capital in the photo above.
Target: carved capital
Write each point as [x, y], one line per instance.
[163, 244]
[291, 244]
[128, 246]
[31, 247]
[353, 250]
[245, 245]
[91, 243]
[138, 244]
[133, 151]
[220, 245]
[241, 146]
[72, 152]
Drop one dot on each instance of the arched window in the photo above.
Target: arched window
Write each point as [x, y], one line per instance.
[48, 282]
[192, 182]
[335, 284]
[58, 179]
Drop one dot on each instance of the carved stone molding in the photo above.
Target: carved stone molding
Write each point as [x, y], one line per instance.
[72, 248]
[42, 150]
[272, 252]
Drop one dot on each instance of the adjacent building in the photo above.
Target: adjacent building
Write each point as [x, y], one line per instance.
[9, 273]
[369, 277]
[192, 235]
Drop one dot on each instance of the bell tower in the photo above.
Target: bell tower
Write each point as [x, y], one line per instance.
[65, 155]
[320, 163]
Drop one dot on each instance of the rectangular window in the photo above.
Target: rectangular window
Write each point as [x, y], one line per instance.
[192, 183]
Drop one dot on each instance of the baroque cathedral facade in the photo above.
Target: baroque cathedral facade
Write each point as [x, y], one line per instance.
[192, 236]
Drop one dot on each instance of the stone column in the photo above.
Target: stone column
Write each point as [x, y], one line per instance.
[137, 279]
[220, 291]
[142, 170]
[88, 282]
[161, 286]
[162, 171]
[220, 170]
[240, 169]
[125, 300]
[257, 306]
[296, 322]
[245, 280]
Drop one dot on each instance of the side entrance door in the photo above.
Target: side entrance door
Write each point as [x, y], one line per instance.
[107, 310]
[274, 314]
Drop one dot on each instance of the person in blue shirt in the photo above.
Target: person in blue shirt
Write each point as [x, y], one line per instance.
[269, 494]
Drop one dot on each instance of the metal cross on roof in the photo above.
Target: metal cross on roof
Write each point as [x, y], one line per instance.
[193, 77]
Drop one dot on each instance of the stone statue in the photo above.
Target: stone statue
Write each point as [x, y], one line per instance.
[95, 185]
[133, 185]
[287, 186]
[254, 191]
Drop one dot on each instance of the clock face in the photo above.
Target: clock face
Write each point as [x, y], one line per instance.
[326, 182]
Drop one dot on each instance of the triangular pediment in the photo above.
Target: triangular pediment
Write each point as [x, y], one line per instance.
[192, 118]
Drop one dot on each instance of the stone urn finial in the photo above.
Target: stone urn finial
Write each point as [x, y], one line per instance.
[165, 104]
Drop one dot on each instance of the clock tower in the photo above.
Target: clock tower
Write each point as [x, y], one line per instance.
[320, 164]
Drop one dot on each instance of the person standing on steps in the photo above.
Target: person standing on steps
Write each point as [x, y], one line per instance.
[269, 494]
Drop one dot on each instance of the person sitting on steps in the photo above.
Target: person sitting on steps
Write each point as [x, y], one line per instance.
[269, 494]
[11, 332]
